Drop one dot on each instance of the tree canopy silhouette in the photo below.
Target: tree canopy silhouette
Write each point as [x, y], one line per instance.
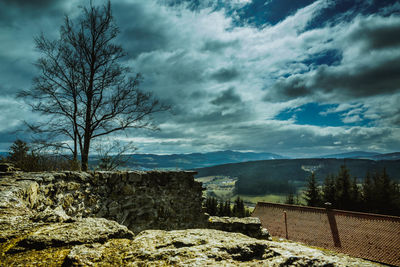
[83, 90]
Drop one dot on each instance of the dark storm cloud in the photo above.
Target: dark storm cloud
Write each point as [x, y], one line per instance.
[227, 97]
[377, 79]
[218, 46]
[378, 36]
[141, 29]
[381, 78]
[289, 88]
[370, 66]
[217, 117]
[225, 74]
[8, 91]
[14, 11]
[35, 4]
[140, 40]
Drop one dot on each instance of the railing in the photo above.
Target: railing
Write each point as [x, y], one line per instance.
[370, 236]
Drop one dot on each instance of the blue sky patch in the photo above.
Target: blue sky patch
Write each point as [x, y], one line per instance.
[261, 12]
[316, 114]
[330, 57]
[345, 11]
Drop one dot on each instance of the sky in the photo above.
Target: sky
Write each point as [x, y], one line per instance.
[297, 78]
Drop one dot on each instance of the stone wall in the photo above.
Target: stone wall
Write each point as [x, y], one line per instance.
[138, 200]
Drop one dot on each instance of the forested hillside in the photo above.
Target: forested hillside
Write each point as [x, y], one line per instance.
[283, 175]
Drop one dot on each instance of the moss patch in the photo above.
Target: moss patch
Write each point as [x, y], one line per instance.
[45, 257]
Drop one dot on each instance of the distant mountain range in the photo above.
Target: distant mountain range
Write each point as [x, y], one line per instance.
[185, 161]
[194, 160]
[199, 160]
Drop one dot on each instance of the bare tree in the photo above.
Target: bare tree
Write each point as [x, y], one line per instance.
[83, 90]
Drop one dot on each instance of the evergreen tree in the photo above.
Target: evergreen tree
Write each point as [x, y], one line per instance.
[227, 208]
[290, 198]
[211, 206]
[312, 195]
[355, 200]
[386, 194]
[238, 208]
[343, 188]
[368, 196]
[242, 209]
[18, 154]
[221, 208]
[329, 190]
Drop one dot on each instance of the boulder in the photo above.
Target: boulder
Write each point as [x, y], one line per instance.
[250, 226]
[87, 230]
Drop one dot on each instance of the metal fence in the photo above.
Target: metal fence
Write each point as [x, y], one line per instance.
[369, 236]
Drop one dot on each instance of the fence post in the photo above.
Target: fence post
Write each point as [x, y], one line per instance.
[285, 216]
[333, 225]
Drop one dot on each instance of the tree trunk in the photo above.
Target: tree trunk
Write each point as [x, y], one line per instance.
[75, 152]
[85, 155]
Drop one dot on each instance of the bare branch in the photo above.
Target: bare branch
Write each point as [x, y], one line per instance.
[83, 89]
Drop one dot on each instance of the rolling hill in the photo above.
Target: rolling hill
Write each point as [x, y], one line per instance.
[272, 176]
[351, 155]
[364, 155]
[191, 161]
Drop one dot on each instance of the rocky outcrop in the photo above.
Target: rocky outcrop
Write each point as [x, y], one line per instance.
[250, 226]
[51, 220]
[202, 247]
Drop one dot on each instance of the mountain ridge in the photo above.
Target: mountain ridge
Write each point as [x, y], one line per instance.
[195, 160]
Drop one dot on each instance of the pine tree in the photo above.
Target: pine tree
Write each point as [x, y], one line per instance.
[388, 194]
[221, 208]
[211, 206]
[355, 196]
[238, 208]
[368, 195]
[18, 154]
[329, 190]
[290, 198]
[227, 208]
[343, 188]
[312, 195]
[242, 209]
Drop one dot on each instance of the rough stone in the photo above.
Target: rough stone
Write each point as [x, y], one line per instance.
[250, 226]
[87, 230]
[52, 215]
[203, 247]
